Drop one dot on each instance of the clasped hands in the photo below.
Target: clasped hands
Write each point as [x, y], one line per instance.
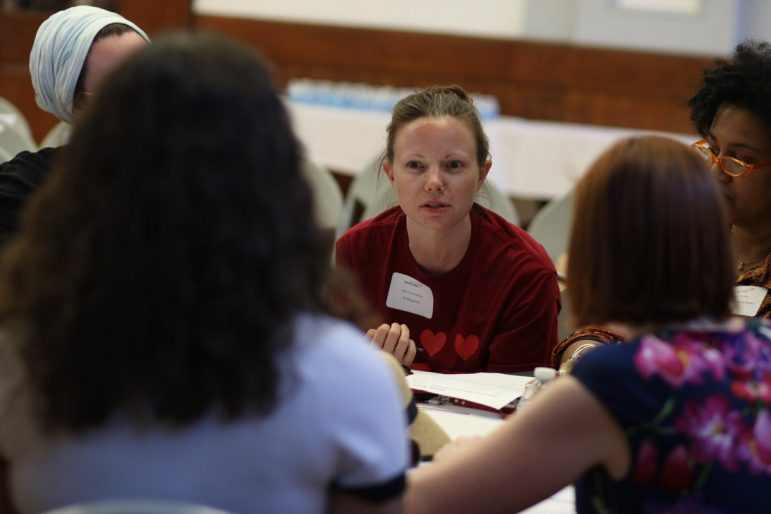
[394, 339]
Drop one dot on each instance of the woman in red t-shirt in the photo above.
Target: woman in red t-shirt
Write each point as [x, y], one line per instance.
[462, 289]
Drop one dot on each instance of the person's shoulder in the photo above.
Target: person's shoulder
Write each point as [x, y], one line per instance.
[611, 373]
[323, 329]
[27, 165]
[513, 242]
[383, 223]
[336, 362]
[609, 359]
[337, 343]
[613, 369]
[27, 158]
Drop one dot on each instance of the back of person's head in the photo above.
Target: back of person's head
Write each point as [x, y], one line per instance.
[744, 81]
[435, 102]
[160, 268]
[62, 43]
[649, 242]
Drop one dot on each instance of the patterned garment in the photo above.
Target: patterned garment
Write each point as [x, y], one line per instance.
[695, 405]
[594, 333]
[758, 276]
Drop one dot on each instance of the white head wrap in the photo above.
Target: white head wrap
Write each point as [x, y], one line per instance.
[61, 45]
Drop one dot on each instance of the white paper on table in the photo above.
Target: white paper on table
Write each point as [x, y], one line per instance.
[562, 502]
[494, 390]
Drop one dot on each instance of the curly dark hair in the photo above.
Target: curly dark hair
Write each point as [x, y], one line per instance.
[160, 268]
[653, 245]
[744, 81]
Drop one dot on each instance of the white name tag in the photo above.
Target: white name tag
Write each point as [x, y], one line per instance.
[410, 295]
[747, 299]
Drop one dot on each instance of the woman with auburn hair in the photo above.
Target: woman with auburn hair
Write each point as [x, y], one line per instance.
[732, 111]
[675, 420]
[163, 329]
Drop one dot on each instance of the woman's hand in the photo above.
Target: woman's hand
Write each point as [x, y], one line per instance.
[394, 339]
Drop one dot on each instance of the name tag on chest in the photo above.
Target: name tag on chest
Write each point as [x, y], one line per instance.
[410, 295]
[748, 299]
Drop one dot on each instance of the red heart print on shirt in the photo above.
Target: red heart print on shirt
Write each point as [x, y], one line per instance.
[432, 342]
[466, 347]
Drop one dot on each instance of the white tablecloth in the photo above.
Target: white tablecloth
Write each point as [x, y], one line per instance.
[531, 159]
[464, 422]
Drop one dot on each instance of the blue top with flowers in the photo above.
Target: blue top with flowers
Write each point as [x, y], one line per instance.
[695, 405]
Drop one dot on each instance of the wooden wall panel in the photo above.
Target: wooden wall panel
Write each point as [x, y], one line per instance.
[17, 32]
[157, 16]
[533, 80]
[336, 53]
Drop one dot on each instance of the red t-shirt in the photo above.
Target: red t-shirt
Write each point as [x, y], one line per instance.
[495, 311]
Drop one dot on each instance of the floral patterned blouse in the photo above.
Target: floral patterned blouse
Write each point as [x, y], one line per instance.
[695, 405]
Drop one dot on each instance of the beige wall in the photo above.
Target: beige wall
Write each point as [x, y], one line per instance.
[491, 18]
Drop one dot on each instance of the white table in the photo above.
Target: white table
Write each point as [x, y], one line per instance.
[531, 159]
[464, 422]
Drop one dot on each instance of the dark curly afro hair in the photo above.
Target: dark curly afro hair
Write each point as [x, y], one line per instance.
[744, 81]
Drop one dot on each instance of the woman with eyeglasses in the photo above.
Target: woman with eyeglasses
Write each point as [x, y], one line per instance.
[677, 419]
[732, 111]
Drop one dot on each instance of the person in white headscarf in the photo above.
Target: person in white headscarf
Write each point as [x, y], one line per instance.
[73, 51]
[59, 53]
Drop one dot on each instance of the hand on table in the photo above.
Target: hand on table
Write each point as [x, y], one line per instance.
[394, 339]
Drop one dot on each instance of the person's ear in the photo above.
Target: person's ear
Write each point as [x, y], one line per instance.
[388, 171]
[483, 171]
